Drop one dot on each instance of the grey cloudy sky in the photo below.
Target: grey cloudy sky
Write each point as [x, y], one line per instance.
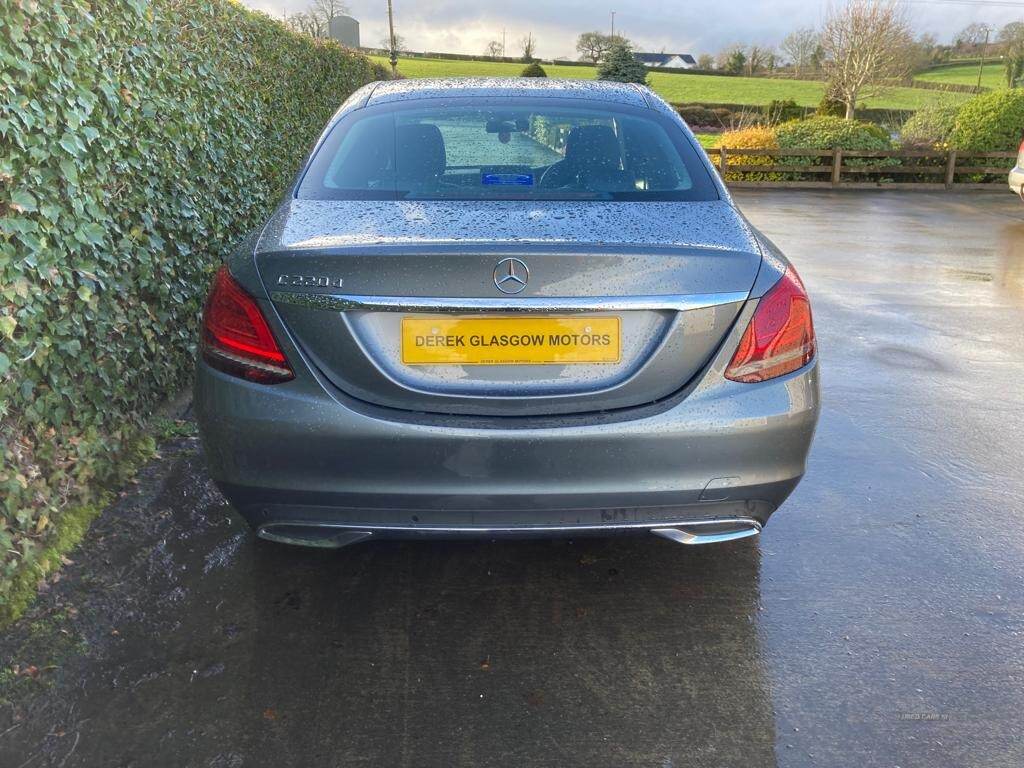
[465, 26]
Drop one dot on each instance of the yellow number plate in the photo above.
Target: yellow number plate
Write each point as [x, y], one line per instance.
[449, 340]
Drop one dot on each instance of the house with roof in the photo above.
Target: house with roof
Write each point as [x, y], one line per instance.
[670, 60]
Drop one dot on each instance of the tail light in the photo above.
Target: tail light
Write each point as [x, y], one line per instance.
[236, 337]
[780, 336]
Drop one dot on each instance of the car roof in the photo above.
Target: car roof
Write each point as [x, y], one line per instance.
[482, 87]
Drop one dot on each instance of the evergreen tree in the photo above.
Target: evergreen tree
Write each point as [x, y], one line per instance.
[620, 65]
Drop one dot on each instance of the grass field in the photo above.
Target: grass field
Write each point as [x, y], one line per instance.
[677, 87]
[966, 74]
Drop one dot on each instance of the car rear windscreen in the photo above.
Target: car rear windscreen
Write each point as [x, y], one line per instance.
[512, 149]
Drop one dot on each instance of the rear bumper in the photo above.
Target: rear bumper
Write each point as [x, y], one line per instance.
[298, 455]
[331, 534]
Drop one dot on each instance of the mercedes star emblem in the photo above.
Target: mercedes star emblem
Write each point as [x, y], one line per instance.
[511, 275]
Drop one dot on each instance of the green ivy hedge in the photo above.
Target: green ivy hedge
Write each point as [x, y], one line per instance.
[138, 141]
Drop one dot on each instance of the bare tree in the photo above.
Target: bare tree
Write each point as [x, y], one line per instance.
[972, 35]
[494, 49]
[527, 45]
[592, 46]
[706, 62]
[922, 53]
[817, 57]
[799, 46]
[757, 59]
[328, 10]
[732, 59]
[385, 42]
[1012, 39]
[1011, 33]
[863, 44]
[316, 20]
[307, 23]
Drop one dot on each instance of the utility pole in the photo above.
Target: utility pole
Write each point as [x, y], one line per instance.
[394, 53]
[503, 42]
[981, 63]
[613, 23]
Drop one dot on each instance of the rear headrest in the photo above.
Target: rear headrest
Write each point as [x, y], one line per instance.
[593, 146]
[420, 152]
[368, 167]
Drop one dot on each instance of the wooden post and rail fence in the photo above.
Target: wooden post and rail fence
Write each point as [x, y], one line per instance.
[862, 169]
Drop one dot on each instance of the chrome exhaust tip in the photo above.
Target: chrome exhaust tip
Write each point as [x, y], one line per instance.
[311, 535]
[709, 531]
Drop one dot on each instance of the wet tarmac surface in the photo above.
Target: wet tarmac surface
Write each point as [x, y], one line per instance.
[879, 620]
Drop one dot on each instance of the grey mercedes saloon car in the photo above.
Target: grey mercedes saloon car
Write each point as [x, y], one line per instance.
[506, 308]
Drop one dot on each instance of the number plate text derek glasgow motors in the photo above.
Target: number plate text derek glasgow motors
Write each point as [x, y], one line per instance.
[447, 340]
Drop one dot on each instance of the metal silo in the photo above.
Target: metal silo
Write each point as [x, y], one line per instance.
[345, 30]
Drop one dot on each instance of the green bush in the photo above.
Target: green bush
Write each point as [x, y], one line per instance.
[930, 127]
[823, 132]
[698, 115]
[830, 106]
[991, 122]
[139, 142]
[782, 110]
[533, 70]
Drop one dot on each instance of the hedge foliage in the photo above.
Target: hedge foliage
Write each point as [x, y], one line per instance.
[138, 140]
[698, 116]
[931, 127]
[816, 132]
[991, 122]
[759, 137]
[782, 110]
[827, 132]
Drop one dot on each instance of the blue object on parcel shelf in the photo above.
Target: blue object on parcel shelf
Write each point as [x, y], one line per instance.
[524, 179]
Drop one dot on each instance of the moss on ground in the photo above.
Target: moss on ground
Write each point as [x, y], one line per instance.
[75, 522]
[47, 645]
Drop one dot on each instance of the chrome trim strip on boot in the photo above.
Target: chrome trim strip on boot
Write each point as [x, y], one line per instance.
[338, 302]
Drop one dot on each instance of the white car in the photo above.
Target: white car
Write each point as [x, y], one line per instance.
[1016, 178]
